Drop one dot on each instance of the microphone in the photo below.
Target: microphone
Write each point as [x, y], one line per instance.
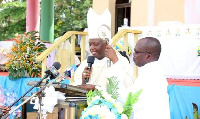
[90, 61]
[52, 72]
[67, 74]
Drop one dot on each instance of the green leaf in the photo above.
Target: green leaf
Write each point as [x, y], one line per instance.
[90, 94]
[112, 87]
[131, 99]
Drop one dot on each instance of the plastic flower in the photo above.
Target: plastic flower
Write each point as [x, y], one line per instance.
[119, 107]
[103, 105]
[124, 116]
[102, 109]
[107, 96]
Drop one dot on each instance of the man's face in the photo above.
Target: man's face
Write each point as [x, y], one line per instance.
[140, 54]
[97, 48]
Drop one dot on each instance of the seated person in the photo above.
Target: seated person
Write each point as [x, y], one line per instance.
[102, 52]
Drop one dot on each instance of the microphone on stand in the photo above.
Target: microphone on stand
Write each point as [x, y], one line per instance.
[66, 74]
[51, 72]
[90, 61]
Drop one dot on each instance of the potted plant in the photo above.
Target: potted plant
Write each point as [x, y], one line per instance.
[21, 59]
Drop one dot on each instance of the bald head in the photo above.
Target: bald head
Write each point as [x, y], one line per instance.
[151, 45]
[147, 50]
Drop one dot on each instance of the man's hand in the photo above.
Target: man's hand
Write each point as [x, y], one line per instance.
[111, 54]
[86, 74]
[5, 110]
[87, 86]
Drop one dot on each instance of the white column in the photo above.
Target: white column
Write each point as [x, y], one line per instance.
[151, 10]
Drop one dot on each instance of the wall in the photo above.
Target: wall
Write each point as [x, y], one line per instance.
[139, 12]
[150, 12]
[192, 11]
[169, 10]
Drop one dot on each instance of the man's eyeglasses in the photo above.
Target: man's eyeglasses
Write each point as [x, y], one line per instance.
[138, 52]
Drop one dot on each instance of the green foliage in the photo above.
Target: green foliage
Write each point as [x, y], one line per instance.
[90, 94]
[70, 15]
[112, 87]
[131, 99]
[12, 19]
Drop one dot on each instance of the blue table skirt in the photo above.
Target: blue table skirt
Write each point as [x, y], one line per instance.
[181, 99]
[18, 86]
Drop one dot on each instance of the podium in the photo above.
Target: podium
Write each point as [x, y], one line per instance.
[71, 108]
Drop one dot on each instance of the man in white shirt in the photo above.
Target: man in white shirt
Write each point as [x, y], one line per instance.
[153, 101]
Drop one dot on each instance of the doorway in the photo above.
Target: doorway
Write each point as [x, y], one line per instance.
[123, 10]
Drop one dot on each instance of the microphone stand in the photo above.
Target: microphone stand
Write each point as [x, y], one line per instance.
[29, 98]
[40, 95]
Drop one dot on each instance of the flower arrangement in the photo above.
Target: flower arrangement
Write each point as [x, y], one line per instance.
[21, 59]
[103, 104]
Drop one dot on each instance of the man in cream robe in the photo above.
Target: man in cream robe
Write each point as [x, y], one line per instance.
[153, 101]
[100, 72]
[102, 51]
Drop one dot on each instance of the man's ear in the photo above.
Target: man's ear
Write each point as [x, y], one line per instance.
[148, 57]
[106, 43]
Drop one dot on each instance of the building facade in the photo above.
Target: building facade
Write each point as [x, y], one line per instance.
[149, 12]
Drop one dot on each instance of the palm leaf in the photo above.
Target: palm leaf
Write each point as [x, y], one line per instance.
[112, 87]
[131, 99]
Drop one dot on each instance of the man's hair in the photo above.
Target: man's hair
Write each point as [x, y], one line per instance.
[82, 29]
[123, 53]
[153, 46]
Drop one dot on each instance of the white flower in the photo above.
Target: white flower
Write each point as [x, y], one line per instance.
[93, 99]
[124, 116]
[92, 111]
[108, 97]
[105, 113]
[119, 107]
[98, 88]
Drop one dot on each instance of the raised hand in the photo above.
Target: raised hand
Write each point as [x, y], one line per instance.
[111, 54]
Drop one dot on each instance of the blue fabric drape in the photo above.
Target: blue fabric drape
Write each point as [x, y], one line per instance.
[18, 86]
[181, 99]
